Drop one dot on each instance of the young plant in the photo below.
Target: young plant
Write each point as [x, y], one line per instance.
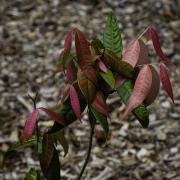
[94, 70]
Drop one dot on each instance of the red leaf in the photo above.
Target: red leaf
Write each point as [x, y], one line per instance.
[30, 125]
[65, 93]
[141, 90]
[67, 43]
[157, 47]
[54, 115]
[71, 73]
[84, 55]
[75, 102]
[166, 82]
[150, 33]
[100, 105]
[102, 66]
[154, 87]
[131, 54]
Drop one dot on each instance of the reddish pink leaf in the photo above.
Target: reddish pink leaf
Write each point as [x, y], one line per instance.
[75, 102]
[65, 93]
[67, 43]
[100, 105]
[131, 54]
[143, 56]
[84, 55]
[30, 125]
[102, 66]
[54, 115]
[119, 81]
[166, 82]
[141, 89]
[154, 87]
[71, 72]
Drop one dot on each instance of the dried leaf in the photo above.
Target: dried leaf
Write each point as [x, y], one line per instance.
[100, 105]
[131, 54]
[54, 115]
[30, 125]
[154, 87]
[166, 82]
[141, 90]
[75, 101]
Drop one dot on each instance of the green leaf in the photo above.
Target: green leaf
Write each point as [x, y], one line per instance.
[108, 77]
[141, 113]
[47, 152]
[102, 120]
[53, 172]
[59, 137]
[49, 159]
[22, 145]
[112, 36]
[33, 175]
[121, 67]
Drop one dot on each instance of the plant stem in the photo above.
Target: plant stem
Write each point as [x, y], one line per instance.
[92, 126]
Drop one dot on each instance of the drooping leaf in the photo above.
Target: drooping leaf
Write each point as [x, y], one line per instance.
[30, 125]
[54, 115]
[102, 120]
[154, 87]
[84, 55]
[49, 159]
[108, 77]
[60, 137]
[112, 36]
[102, 66]
[67, 43]
[100, 105]
[87, 88]
[150, 33]
[121, 67]
[157, 47]
[141, 90]
[75, 101]
[166, 82]
[131, 54]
